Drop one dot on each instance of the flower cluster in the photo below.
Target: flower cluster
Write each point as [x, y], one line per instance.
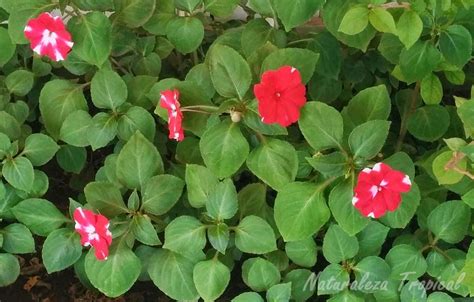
[169, 100]
[94, 231]
[48, 37]
[378, 190]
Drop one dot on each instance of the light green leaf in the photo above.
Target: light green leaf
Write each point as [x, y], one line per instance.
[222, 203]
[10, 269]
[355, 20]
[105, 197]
[40, 149]
[382, 20]
[450, 221]
[186, 33]
[338, 245]
[367, 140]
[300, 211]
[255, 236]
[17, 239]
[211, 278]
[161, 193]
[431, 90]
[108, 90]
[19, 173]
[409, 27]
[138, 161]
[61, 249]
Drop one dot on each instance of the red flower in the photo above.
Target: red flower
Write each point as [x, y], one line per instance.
[280, 96]
[48, 37]
[169, 101]
[378, 190]
[94, 231]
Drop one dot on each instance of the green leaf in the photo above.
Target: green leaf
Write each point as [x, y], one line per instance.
[450, 221]
[40, 149]
[439, 297]
[222, 203]
[346, 215]
[218, 236]
[136, 119]
[275, 162]
[161, 193]
[211, 278]
[382, 20]
[221, 8]
[279, 292]
[230, 73]
[72, 159]
[372, 269]
[330, 55]
[409, 28]
[331, 275]
[134, 13]
[20, 82]
[138, 161]
[61, 249]
[92, 37]
[248, 297]
[371, 239]
[9, 126]
[260, 274]
[185, 235]
[254, 235]
[108, 90]
[321, 125]
[367, 140]
[75, 128]
[39, 215]
[199, 183]
[338, 245]
[186, 33]
[263, 7]
[105, 197]
[10, 269]
[19, 173]
[334, 12]
[355, 20]
[406, 262]
[188, 5]
[300, 210]
[173, 275]
[102, 130]
[7, 47]
[302, 59]
[144, 231]
[224, 148]
[17, 239]
[456, 45]
[298, 279]
[117, 274]
[369, 104]
[332, 164]
[58, 99]
[431, 90]
[419, 60]
[293, 13]
[429, 123]
[302, 252]
[447, 176]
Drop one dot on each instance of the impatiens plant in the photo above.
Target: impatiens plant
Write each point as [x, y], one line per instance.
[240, 150]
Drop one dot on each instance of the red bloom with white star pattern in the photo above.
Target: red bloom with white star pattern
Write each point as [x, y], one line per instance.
[281, 94]
[48, 37]
[94, 231]
[170, 101]
[379, 189]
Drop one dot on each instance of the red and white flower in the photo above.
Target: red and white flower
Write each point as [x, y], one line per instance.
[170, 101]
[94, 231]
[48, 37]
[379, 189]
[280, 95]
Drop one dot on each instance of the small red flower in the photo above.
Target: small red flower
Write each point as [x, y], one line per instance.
[280, 96]
[378, 190]
[48, 37]
[94, 231]
[169, 101]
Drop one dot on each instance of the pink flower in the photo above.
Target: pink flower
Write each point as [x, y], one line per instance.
[169, 101]
[48, 37]
[280, 95]
[94, 231]
[378, 190]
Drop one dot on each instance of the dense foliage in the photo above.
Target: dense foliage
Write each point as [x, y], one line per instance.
[240, 200]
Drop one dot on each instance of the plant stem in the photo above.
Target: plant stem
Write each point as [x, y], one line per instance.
[404, 123]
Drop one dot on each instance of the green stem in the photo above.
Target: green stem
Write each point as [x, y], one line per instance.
[404, 122]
